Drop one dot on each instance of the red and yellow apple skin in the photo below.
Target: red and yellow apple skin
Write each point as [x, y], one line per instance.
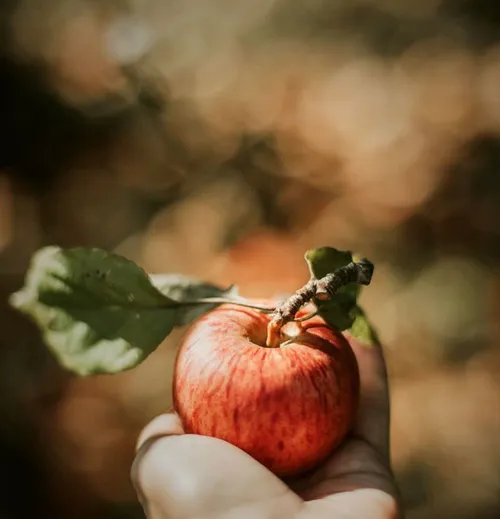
[288, 407]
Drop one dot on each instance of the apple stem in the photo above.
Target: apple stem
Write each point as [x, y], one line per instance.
[325, 288]
[274, 337]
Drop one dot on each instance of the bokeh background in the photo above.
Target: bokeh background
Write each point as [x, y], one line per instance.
[221, 139]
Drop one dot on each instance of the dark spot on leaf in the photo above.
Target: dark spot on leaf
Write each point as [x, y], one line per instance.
[281, 445]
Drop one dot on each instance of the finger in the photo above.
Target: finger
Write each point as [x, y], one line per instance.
[163, 425]
[359, 503]
[373, 420]
[190, 476]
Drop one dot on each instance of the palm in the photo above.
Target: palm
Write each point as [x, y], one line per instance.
[356, 477]
[355, 466]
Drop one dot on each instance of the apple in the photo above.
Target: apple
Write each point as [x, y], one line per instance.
[288, 407]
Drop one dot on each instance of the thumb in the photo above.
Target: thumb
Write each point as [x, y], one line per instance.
[189, 476]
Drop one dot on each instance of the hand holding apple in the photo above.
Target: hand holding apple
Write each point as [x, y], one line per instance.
[180, 475]
[283, 386]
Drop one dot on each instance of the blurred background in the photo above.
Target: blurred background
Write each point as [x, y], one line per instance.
[221, 139]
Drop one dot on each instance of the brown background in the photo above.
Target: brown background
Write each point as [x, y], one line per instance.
[221, 139]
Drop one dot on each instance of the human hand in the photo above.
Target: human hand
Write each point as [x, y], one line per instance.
[186, 476]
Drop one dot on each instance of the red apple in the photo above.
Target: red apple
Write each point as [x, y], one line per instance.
[288, 407]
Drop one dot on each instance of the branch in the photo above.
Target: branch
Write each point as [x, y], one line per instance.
[324, 289]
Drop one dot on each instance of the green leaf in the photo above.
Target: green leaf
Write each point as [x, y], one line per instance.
[326, 260]
[362, 330]
[184, 288]
[98, 312]
[341, 311]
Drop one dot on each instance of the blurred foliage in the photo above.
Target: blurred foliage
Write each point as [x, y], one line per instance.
[221, 139]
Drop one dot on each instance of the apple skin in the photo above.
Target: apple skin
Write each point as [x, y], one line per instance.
[288, 407]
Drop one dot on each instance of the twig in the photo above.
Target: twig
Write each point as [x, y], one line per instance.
[324, 289]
